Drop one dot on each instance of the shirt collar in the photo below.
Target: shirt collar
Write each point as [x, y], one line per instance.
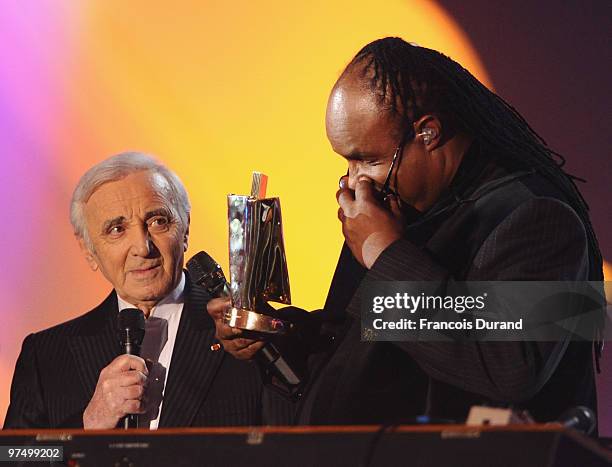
[166, 306]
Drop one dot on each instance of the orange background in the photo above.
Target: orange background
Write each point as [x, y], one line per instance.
[213, 89]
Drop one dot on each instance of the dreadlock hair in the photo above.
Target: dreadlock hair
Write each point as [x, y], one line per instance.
[412, 81]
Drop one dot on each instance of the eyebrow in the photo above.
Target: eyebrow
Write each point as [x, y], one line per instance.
[158, 212]
[359, 156]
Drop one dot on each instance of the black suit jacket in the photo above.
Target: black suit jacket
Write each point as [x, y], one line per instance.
[522, 230]
[58, 368]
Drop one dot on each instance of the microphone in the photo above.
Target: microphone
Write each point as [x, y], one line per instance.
[579, 418]
[131, 331]
[206, 272]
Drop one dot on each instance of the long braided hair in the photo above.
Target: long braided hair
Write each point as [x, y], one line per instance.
[412, 81]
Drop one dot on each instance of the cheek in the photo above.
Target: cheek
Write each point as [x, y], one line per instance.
[172, 248]
[111, 262]
[413, 181]
[115, 260]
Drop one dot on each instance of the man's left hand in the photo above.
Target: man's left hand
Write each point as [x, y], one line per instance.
[368, 226]
[230, 338]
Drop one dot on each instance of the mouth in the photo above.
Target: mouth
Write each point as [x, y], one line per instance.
[145, 271]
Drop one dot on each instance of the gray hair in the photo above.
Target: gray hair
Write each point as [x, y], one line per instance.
[116, 168]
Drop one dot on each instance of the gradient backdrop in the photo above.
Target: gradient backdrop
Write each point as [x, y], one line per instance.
[213, 89]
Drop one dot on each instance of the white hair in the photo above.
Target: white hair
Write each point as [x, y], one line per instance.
[116, 168]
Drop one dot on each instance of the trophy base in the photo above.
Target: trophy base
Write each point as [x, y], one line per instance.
[255, 322]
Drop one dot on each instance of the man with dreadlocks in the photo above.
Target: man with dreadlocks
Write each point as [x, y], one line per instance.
[445, 181]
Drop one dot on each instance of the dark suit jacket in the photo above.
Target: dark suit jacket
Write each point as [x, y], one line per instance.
[57, 372]
[523, 230]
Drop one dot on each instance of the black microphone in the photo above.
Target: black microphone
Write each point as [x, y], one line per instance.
[131, 331]
[206, 272]
[579, 418]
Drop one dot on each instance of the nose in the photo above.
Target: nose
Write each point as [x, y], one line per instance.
[352, 174]
[142, 244]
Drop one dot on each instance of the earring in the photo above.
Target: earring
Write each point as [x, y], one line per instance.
[428, 134]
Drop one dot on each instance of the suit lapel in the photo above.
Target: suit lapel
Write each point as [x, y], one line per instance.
[96, 345]
[194, 365]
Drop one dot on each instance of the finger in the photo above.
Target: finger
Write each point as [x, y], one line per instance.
[394, 206]
[346, 191]
[134, 392]
[237, 344]
[218, 306]
[225, 332]
[364, 190]
[341, 215]
[243, 343]
[346, 200]
[131, 378]
[128, 362]
[345, 233]
[248, 352]
[132, 406]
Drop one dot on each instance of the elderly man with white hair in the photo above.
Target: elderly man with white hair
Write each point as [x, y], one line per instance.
[131, 218]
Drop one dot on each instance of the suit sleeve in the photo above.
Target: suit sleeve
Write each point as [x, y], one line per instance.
[26, 409]
[542, 239]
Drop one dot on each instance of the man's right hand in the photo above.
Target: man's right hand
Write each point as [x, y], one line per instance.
[239, 347]
[119, 392]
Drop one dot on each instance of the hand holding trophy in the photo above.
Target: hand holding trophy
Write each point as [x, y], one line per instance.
[258, 265]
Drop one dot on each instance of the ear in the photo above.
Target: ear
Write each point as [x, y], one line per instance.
[186, 235]
[89, 256]
[428, 129]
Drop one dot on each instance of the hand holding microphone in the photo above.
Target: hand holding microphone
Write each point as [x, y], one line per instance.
[122, 382]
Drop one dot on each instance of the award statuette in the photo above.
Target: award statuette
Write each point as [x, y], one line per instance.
[258, 266]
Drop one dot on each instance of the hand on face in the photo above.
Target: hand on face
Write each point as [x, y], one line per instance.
[368, 226]
[119, 392]
[240, 348]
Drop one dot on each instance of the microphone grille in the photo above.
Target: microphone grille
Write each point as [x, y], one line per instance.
[201, 265]
[131, 324]
[206, 272]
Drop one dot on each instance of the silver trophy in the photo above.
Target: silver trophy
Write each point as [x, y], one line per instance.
[258, 265]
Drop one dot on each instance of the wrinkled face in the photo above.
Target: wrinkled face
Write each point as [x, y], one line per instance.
[137, 239]
[367, 138]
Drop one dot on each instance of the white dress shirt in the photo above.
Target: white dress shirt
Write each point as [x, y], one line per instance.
[157, 347]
